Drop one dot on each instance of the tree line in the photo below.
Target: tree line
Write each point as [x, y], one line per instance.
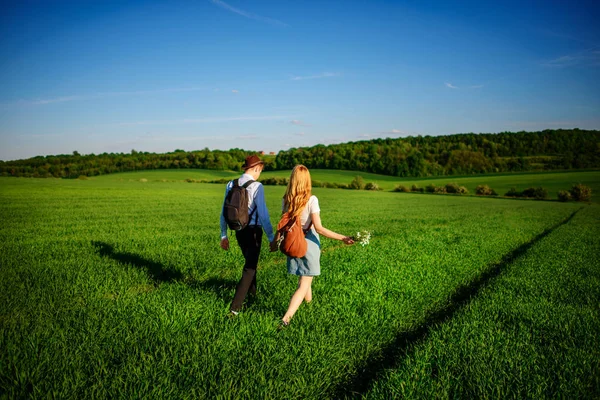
[75, 165]
[458, 154]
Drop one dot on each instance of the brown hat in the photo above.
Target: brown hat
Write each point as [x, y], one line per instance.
[252, 161]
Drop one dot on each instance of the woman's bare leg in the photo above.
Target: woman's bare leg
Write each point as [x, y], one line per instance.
[299, 295]
[308, 295]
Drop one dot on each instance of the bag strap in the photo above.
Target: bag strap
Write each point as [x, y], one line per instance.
[308, 229]
[292, 221]
[252, 213]
[289, 224]
[236, 182]
[245, 185]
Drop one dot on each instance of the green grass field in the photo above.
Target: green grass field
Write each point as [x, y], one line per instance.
[114, 287]
[553, 181]
[535, 317]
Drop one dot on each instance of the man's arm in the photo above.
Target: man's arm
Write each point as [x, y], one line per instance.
[223, 222]
[263, 213]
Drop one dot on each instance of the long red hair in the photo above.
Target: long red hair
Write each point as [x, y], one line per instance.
[298, 191]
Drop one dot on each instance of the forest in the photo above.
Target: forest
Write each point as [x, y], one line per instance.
[418, 156]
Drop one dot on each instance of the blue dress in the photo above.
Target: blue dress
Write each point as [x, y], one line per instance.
[310, 264]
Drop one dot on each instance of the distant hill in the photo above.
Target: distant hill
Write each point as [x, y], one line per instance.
[460, 154]
[552, 181]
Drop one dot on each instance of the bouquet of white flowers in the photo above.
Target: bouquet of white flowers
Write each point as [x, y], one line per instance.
[362, 238]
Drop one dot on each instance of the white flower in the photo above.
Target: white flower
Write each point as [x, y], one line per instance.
[363, 238]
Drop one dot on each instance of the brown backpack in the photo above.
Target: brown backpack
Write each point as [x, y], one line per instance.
[293, 243]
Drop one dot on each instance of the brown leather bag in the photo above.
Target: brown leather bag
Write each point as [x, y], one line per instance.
[293, 243]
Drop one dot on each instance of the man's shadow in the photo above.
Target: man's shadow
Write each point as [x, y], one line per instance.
[156, 271]
[159, 273]
[223, 288]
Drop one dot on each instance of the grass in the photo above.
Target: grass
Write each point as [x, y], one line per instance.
[531, 333]
[117, 287]
[169, 175]
[553, 181]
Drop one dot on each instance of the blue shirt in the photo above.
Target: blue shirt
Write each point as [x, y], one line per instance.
[256, 201]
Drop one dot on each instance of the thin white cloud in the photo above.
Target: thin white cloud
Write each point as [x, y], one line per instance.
[203, 120]
[564, 61]
[50, 101]
[586, 58]
[235, 91]
[247, 137]
[299, 134]
[41, 136]
[168, 138]
[451, 86]
[100, 95]
[298, 122]
[250, 15]
[320, 76]
[151, 91]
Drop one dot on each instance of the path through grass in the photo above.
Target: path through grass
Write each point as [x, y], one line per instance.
[534, 332]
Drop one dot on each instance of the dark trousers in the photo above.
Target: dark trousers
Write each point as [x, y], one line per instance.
[250, 240]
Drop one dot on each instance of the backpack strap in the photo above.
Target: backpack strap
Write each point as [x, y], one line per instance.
[236, 182]
[252, 213]
[245, 186]
[308, 229]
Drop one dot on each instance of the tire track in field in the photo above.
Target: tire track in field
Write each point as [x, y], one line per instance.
[389, 357]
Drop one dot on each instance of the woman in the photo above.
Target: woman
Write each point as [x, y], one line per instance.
[300, 203]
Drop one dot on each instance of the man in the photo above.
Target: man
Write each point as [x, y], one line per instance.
[250, 237]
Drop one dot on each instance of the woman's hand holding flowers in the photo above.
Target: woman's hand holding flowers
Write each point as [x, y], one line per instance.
[348, 240]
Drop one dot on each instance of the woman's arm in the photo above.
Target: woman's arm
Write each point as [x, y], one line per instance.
[321, 230]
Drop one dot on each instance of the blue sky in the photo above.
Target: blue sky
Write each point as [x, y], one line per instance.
[268, 75]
